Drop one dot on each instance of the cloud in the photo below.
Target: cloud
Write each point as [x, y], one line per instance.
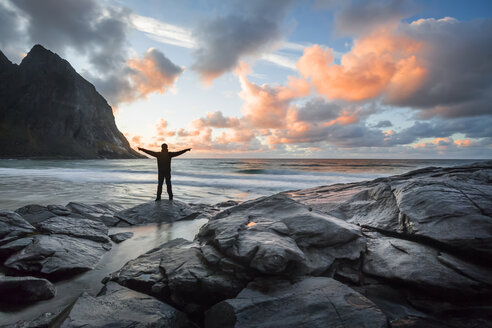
[162, 130]
[137, 78]
[216, 120]
[251, 28]
[459, 69]
[163, 32]
[380, 62]
[85, 26]
[383, 124]
[355, 17]
[267, 106]
[153, 73]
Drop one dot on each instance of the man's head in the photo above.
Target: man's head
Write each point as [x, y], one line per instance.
[164, 147]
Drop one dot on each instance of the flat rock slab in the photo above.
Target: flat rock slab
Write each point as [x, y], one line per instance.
[424, 267]
[57, 255]
[117, 306]
[310, 302]
[277, 235]
[13, 226]
[25, 290]
[452, 206]
[75, 227]
[121, 236]
[163, 211]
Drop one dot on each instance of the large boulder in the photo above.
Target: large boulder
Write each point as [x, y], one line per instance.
[81, 228]
[276, 235]
[25, 290]
[179, 272]
[117, 306]
[57, 255]
[13, 226]
[309, 302]
[448, 206]
[163, 211]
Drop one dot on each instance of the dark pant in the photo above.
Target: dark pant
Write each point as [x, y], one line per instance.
[166, 175]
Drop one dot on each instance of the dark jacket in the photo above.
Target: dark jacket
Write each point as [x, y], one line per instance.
[164, 158]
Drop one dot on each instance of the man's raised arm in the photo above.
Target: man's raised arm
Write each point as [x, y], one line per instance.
[150, 152]
[177, 153]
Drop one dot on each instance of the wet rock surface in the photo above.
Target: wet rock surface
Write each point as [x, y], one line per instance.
[81, 228]
[117, 306]
[13, 226]
[451, 206]
[310, 302]
[57, 255]
[24, 290]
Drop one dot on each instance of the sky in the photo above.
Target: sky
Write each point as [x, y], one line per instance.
[278, 78]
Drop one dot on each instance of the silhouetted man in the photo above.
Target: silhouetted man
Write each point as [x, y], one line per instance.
[164, 167]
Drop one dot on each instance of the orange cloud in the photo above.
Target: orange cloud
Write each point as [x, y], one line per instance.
[153, 73]
[162, 130]
[380, 62]
[463, 142]
[267, 106]
[440, 143]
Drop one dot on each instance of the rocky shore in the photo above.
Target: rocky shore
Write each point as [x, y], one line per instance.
[413, 250]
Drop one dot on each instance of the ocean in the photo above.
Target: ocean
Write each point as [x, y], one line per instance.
[209, 181]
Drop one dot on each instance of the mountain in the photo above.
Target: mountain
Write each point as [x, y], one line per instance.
[48, 110]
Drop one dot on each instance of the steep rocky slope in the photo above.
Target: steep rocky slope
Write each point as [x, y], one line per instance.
[48, 110]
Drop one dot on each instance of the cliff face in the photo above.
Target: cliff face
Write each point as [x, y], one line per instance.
[48, 110]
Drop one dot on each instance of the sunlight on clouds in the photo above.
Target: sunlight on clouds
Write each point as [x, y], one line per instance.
[380, 62]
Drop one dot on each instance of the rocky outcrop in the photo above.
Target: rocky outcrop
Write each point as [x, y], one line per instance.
[310, 302]
[448, 206]
[179, 272]
[117, 306]
[276, 235]
[25, 290]
[58, 247]
[49, 110]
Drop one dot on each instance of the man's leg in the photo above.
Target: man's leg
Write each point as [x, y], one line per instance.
[169, 186]
[159, 185]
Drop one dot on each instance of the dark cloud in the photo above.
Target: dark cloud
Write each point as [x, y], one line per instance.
[363, 16]
[383, 124]
[459, 67]
[85, 26]
[251, 27]
[318, 109]
[10, 33]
